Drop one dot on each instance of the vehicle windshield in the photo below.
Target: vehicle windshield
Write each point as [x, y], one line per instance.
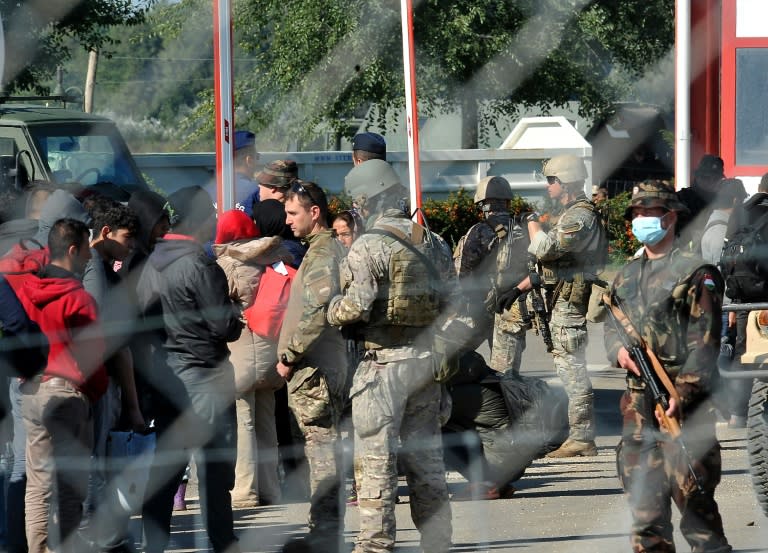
[86, 153]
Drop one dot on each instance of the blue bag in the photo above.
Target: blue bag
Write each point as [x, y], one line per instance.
[130, 455]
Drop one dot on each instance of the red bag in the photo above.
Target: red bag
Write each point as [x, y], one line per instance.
[265, 316]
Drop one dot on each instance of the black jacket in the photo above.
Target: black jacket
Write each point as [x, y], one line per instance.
[190, 290]
[23, 347]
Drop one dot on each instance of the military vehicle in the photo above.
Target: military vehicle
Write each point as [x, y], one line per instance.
[754, 364]
[44, 142]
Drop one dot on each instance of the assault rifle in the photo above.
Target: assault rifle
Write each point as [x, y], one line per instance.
[540, 307]
[653, 374]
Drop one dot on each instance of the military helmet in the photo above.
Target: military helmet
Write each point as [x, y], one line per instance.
[654, 193]
[493, 188]
[370, 179]
[567, 168]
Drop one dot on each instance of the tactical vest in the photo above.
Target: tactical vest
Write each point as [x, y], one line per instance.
[511, 255]
[663, 321]
[411, 296]
[584, 264]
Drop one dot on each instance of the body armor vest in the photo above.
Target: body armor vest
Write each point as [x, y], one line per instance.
[586, 263]
[411, 296]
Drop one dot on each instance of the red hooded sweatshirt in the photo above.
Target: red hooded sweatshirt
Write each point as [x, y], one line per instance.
[68, 317]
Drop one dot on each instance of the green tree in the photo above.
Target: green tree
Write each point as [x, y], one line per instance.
[305, 65]
[329, 60]
[37, 33]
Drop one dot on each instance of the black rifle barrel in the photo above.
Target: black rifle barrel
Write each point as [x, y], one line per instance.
[540, 307]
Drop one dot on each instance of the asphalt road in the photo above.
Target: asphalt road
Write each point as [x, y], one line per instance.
[560, 506]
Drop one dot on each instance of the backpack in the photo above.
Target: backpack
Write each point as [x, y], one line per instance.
[538, 417]
[744, 261]
[22, 258]
[510, 249]
[265, 316]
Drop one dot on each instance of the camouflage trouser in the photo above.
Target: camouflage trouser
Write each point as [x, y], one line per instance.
[653, 470]
[569, 336]
[396, 402]
[318, 412]
[508, 341]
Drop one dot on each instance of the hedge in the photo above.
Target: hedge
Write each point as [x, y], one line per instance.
[453, 217]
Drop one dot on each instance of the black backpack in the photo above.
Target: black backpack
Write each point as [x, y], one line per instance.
[744, 261]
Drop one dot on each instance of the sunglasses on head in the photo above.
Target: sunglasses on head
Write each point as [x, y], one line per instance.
[298, 188]
[552, 180]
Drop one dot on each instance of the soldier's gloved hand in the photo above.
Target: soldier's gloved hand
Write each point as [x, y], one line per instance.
[528, 216]
[507, 299]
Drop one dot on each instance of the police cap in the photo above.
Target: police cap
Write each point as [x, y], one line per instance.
[370, 142]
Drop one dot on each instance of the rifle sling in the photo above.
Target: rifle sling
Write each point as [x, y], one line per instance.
[552, 298]
[398, 236]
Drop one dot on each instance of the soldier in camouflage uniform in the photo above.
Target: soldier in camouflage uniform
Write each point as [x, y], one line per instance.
[484, 260]
[312, 359]
[673, 299]
[571, 254]
[390, 292]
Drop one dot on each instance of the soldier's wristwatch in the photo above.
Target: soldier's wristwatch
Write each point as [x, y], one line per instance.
[284, 361]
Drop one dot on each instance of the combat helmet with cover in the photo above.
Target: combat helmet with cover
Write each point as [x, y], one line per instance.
[374, 186]
[493, 188]
[567, 168]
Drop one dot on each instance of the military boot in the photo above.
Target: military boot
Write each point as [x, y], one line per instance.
[574, 448]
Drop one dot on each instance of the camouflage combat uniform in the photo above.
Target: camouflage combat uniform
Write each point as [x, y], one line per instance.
[570, 254]
[316, 387]
[492, 256]
[395, 399]
[674, 302]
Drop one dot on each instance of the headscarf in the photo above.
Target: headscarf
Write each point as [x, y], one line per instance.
[235, 225]
[269, 216]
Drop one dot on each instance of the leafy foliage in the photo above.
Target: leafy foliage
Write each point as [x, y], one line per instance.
[303, 67]
[42, 35]
[329, 60]
[452, 217]
[622, 243]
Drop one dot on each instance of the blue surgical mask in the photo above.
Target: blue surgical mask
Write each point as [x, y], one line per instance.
[648, 230]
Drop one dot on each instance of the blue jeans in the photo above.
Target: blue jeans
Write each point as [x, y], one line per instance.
[17, 480]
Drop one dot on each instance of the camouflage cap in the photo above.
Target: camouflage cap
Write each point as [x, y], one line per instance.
[279, 174]
[654, 193]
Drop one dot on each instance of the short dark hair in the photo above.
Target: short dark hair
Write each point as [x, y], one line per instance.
[106, 212]
[65, 233]
[364, 155]
[309, 194]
